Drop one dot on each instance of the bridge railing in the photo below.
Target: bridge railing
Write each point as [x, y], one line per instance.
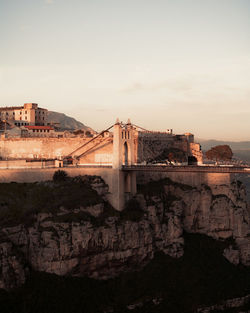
[188, 168]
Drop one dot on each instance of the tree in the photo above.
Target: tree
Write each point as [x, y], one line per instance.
[220, 153]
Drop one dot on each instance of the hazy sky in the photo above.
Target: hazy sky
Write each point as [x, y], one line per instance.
[181, 64]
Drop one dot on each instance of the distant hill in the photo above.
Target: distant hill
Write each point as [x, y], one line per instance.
[66, 122]
[241, 149]
[235, 145]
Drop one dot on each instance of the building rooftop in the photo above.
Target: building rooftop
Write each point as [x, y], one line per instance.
[11, 108]
[21, 107]
[39, 127]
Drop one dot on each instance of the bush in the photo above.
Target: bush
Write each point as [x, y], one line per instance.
[60, 176]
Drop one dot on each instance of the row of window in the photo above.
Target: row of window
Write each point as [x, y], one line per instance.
[40, 130]
[13, 113]
[21, 124]
[21, 118]
[125, 134]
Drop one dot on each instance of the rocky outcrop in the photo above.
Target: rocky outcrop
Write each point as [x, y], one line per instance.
[82, 248]
[220, 212]
[99, 242]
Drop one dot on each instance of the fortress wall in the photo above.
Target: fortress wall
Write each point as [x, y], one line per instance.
[192, 179]
[219, 179]
[17, 164]
[39, 147]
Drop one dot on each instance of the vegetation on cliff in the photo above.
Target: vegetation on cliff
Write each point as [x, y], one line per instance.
[19, 202]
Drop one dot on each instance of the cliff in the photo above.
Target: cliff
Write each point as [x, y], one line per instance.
[89, 238]
[155, 254]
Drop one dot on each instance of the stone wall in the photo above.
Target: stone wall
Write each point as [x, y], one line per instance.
[24, 148]
[192, 179]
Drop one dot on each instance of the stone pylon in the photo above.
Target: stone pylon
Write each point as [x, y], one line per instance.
[124, 183]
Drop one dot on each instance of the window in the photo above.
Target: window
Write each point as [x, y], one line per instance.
[33, 130]
[25, 112]
[26, 117]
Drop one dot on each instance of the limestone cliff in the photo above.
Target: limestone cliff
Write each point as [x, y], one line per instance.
[96, 241]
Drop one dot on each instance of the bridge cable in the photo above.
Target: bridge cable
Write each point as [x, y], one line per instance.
[92, 139]
[85, 152]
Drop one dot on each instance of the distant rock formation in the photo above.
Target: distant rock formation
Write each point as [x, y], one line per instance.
[241, 149]
[66, 122]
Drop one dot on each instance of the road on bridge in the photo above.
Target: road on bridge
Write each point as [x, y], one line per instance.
[187, 168]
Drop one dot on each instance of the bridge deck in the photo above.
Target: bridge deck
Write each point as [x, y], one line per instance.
[188, 168]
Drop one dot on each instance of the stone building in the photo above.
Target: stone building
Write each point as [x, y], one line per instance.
[28, 114]
[40, 131]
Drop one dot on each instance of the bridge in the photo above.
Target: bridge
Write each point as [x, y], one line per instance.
[123, 158]
[118, 155]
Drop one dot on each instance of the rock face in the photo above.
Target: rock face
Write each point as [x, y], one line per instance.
[220, 212]
[98, 242]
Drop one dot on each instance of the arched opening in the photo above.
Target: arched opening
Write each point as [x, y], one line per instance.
[192, 160]
[125, 154]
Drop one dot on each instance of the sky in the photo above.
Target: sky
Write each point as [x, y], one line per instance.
[180, 64]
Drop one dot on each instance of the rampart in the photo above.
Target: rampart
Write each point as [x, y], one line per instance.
[50, 148]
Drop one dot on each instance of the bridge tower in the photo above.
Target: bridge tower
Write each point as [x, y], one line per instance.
[123, 184]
